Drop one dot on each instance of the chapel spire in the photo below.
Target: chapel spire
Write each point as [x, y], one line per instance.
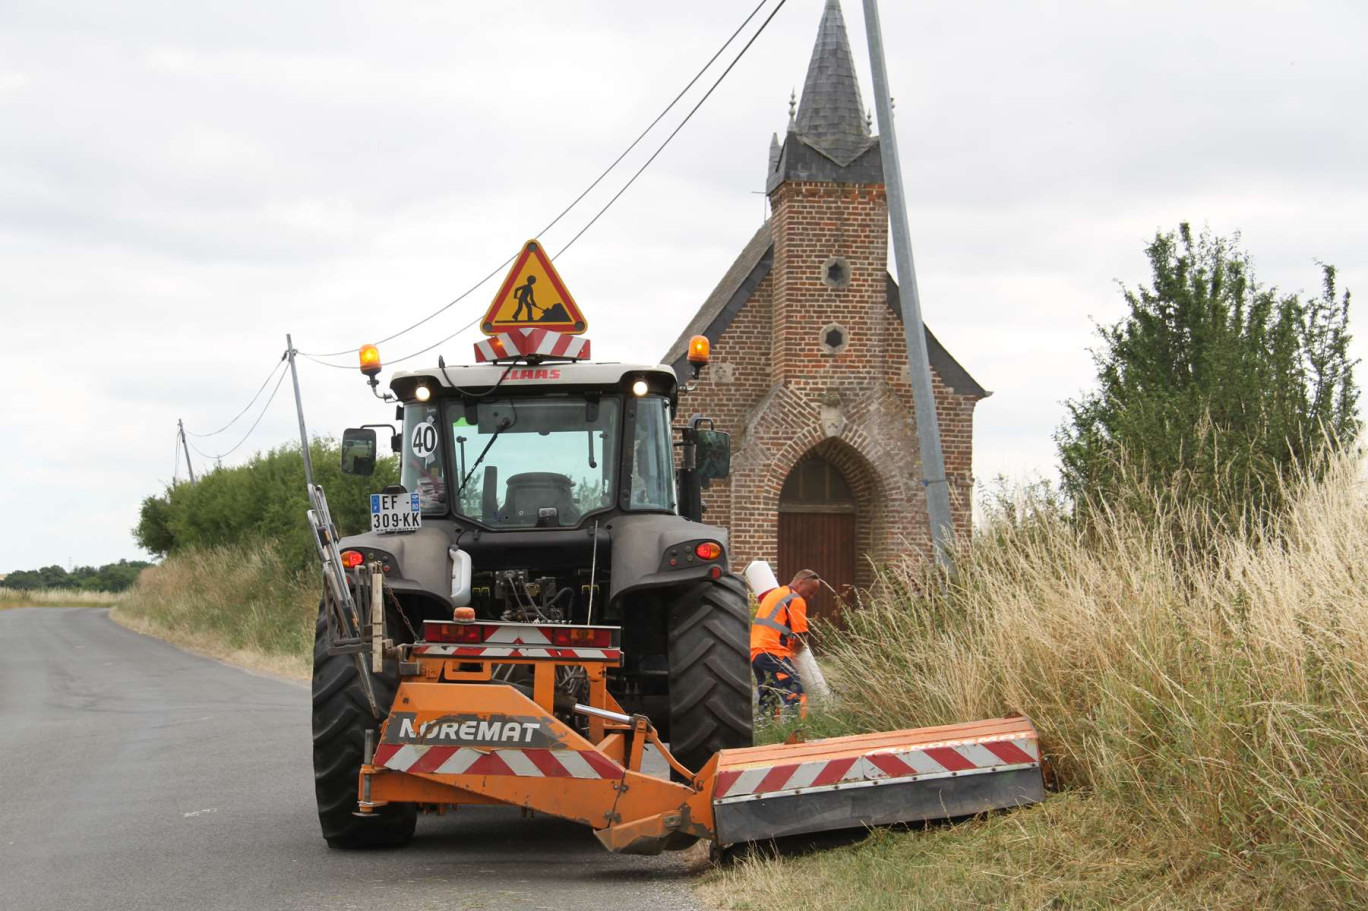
[831, 117]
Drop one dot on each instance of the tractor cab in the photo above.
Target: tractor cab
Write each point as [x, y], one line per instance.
[538, 447]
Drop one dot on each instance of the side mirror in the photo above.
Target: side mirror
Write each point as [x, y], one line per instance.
[358, 451]
[712, 453]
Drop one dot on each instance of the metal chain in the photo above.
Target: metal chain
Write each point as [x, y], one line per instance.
[394, 602]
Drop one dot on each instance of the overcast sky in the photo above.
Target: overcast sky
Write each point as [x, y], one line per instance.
[183, 183]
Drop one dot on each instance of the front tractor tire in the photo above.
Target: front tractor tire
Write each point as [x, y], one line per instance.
[341, 717]
[710, 675]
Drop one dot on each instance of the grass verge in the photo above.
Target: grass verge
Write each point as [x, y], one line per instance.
[55, 597]
[240, 604]
[1206, 710]
[1070, 852]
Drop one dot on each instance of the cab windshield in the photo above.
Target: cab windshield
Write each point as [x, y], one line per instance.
[543, 462]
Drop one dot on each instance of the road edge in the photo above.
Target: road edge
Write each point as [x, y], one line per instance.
[277, 667]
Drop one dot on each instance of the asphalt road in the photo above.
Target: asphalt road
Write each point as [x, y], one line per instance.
[136, 776]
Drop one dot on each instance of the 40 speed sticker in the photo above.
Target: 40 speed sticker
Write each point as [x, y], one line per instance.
[395, 512]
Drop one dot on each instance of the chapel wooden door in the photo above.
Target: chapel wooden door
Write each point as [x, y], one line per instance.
[817, 519]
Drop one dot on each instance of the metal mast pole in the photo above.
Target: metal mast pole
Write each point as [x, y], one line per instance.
[180, 425]
[918, 367]
[299, 409]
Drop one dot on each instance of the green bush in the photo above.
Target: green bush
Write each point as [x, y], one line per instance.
[264, 499]
[1212, 388]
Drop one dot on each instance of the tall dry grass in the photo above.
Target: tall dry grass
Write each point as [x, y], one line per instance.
[1217, 696]
[244, 603]
[55, 597]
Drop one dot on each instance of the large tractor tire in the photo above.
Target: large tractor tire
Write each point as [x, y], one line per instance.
[710, 675]
[341, 717]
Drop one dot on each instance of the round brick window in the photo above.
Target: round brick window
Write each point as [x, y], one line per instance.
[836, 273]
[833, 338]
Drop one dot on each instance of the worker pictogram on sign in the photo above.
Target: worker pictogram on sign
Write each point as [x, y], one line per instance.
[533, 296]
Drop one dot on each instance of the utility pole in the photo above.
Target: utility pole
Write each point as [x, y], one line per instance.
[180, 427]
[299, 409]
[918, 367]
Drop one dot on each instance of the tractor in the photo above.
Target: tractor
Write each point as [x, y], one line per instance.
[539, 490]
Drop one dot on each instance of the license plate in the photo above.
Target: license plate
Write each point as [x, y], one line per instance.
[392, 513]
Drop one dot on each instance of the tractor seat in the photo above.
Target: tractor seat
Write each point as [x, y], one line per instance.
[531, 491]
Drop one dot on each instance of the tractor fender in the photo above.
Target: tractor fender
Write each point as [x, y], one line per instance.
[422, 558]
[640, 543]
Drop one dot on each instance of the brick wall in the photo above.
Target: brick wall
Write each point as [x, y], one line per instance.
[783, 397]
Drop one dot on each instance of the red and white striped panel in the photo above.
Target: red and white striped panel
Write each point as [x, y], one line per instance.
[431, 759]
[939, 760]
[517, 634]
[527, 341]
[505, 651]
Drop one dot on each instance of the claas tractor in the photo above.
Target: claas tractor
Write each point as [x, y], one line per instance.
[547, 491]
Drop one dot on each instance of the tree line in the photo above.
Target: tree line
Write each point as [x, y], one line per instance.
[112, 577]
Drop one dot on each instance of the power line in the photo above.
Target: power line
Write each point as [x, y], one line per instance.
[255, 396]
[264, 409]
[587, 190]
[462, 296]
[672, 135]
[400, 360]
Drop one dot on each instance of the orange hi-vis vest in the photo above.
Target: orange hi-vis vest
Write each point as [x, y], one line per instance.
[782, 614]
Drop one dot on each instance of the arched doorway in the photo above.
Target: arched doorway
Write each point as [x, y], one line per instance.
[817, 530]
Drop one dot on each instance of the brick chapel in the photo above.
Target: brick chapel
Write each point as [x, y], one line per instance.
[809, 361]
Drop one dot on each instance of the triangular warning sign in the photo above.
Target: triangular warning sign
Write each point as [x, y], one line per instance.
[533, 295]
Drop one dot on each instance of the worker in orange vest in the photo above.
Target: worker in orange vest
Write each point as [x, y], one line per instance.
[777, 634]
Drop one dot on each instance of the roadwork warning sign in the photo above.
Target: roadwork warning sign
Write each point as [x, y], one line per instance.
[533, 295]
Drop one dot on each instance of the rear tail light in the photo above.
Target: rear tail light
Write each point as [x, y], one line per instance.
[709, 550]
[463, 633]
[580, 636]
[352, 559]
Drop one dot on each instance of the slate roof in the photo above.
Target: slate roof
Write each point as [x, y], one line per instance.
[831, 118]
[740, 282]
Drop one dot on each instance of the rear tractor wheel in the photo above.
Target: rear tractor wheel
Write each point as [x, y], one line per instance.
[710, 675]
[341, 717]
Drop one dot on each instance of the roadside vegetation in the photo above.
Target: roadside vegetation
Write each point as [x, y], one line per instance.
[239, 578]
[55, 597]
[245, 603]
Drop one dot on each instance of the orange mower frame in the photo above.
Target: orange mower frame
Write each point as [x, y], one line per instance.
[458, 733]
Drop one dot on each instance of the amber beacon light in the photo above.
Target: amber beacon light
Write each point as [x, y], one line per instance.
[370, 360]
[699, 349]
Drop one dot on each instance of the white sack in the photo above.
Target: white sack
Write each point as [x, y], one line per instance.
[811, 675]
